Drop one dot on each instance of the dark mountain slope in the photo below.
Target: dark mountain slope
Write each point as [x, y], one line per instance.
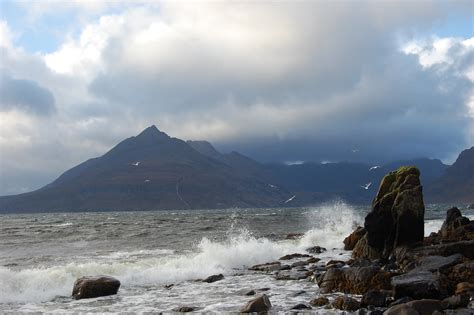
[146, 172]
[457, 183]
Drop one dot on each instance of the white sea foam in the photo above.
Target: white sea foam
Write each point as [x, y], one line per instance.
[239, 250]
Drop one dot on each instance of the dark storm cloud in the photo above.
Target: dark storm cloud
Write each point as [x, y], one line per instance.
[25, 95]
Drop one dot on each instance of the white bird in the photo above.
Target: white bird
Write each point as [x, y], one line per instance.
[147, 180]
[374, 167]
[355, 150]
[136, 163]
[290, 199]
[272, 186]
[366, 186]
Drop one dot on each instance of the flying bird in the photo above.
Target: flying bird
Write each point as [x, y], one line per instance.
[355, 150]
[147, 180]
[366, 186]
[272, 186]
[374, 167]
[136, 163]
[289, 200]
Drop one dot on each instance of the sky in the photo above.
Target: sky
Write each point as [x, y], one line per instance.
[279, 81]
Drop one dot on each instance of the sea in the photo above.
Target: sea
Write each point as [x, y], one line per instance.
[41, 255]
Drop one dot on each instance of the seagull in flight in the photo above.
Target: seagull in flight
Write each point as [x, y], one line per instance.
[374, 167]
[147, 180]
[355, 150]
[366, 186]
[136, 163]
[272, 186]
[289, 200]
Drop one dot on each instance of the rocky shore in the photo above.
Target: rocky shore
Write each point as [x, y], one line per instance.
[394, 269]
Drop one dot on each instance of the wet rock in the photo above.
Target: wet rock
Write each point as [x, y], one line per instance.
[319, 301]
[271, 266]
[312, 260]
[401, 309]
[425, 306]
[471, 206]
[397, 216]
[463, 272]
[95, 286]
[294, 236]
[351, 241]
[259, 304]
[213, 278]
[456, 301]
[374, 298]
[246, 292]
[315, 250]
[301, 307]
[335, 262]
[298, 293]
[465, 248]
[184, 309]
[402, 300]
[437, 263]
[296, 255]
[292, 275]
[298, 264]
[464, 287]
[453, 220]
[418, 285]
[355, 280]
[346, 303]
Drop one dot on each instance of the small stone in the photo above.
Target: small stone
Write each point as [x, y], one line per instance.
[257, 305]
[401, 309]
[296, 255]
[301, 307]
[425, 306]
[464, 287]
[213, 278]
[374, 298]
[319, 301]
[315, 250]
[346, 303]
[184, 309]
[456, 301]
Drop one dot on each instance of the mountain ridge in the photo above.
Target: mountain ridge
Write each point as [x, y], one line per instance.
[153, 171]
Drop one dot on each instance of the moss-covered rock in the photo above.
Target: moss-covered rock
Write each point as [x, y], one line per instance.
[397, 216]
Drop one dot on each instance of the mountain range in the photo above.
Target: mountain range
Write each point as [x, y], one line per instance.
[153, 171]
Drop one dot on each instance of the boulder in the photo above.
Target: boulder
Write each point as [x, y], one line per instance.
[456, 227]
[213, 278]
[346, 303]
[418, 285]
[319, 301]
[463, 272]
[259, 304]
[95, 286]
[425, 306]
[351, 241]
[437, 263]
[355, 280]
[397, 216]
[401, 309]
[464, 287]
[375, 298]
[456, 301]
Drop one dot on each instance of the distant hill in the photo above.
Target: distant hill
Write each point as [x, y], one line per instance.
[146, 172]
[153, 171]
[315, 182]
[457, 183]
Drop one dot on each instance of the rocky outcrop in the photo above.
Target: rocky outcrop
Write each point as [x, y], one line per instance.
[397, 216]
[92, 287]
[418, 285]
[351, 241]
[258, 305]
[355, 280]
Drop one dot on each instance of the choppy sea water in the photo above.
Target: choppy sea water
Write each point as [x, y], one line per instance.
[41, 255]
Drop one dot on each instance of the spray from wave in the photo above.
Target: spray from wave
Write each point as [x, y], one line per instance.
[328, 225]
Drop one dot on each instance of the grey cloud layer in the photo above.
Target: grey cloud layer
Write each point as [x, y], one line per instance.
[276, 81]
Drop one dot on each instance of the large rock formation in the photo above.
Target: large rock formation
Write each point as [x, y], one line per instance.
[397, 216]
